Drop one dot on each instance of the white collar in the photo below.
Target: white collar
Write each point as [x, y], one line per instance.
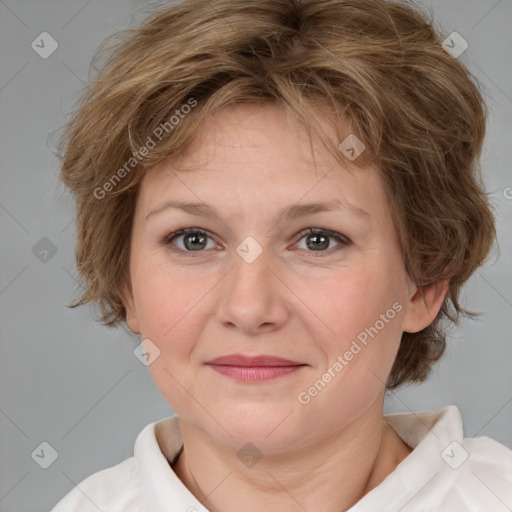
[427, 432]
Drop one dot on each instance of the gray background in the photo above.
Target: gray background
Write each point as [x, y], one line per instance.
[70, 382]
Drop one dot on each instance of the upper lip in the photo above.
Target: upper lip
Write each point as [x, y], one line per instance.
[261, 360]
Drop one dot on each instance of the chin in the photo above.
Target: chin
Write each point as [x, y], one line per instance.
[270, 430]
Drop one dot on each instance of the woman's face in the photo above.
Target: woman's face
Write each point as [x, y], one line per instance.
[254, 282]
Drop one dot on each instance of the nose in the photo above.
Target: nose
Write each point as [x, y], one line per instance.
[253, 297]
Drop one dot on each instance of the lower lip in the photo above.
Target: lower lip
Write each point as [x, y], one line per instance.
[254, 373]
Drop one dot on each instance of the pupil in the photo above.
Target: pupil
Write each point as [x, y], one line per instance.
[196, 241]
[323, 242]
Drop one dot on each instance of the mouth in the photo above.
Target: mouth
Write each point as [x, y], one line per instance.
[254, 368]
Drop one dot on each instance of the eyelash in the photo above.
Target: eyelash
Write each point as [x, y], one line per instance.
[342, 239]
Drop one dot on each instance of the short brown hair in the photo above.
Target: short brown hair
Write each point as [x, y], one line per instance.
[378, 65]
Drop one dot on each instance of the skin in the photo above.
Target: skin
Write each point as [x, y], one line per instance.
[293, 301]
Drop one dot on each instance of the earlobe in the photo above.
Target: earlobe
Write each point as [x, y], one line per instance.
[129, 306]
[423, 306]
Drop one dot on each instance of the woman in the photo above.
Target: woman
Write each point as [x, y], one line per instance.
[282, 199]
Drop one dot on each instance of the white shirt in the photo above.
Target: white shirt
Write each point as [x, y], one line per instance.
[445, 472]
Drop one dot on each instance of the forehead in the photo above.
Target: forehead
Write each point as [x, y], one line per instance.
[256, 132]
[248, 156]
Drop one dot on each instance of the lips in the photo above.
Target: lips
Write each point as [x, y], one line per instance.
[254, 369]
[253, 361]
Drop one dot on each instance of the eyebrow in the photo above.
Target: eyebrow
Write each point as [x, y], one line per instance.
[291, 212]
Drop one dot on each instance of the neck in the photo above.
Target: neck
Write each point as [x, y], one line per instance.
[331, 475]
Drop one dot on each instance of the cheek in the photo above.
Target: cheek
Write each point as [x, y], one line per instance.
[166, 300]
[173, 310]
[358, 359]
[171, 314]
[364, 312]
[362, 307]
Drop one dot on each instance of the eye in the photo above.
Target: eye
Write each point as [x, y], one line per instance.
[318, 240]
[194, 240]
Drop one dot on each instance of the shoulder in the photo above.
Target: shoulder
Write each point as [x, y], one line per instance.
[480, 471]
[131, 485]
[446, 471]
[115, 489]
[475, 473]
[471, 455]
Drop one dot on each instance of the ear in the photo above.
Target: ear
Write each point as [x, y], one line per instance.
[131, 312]
[423, 305]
